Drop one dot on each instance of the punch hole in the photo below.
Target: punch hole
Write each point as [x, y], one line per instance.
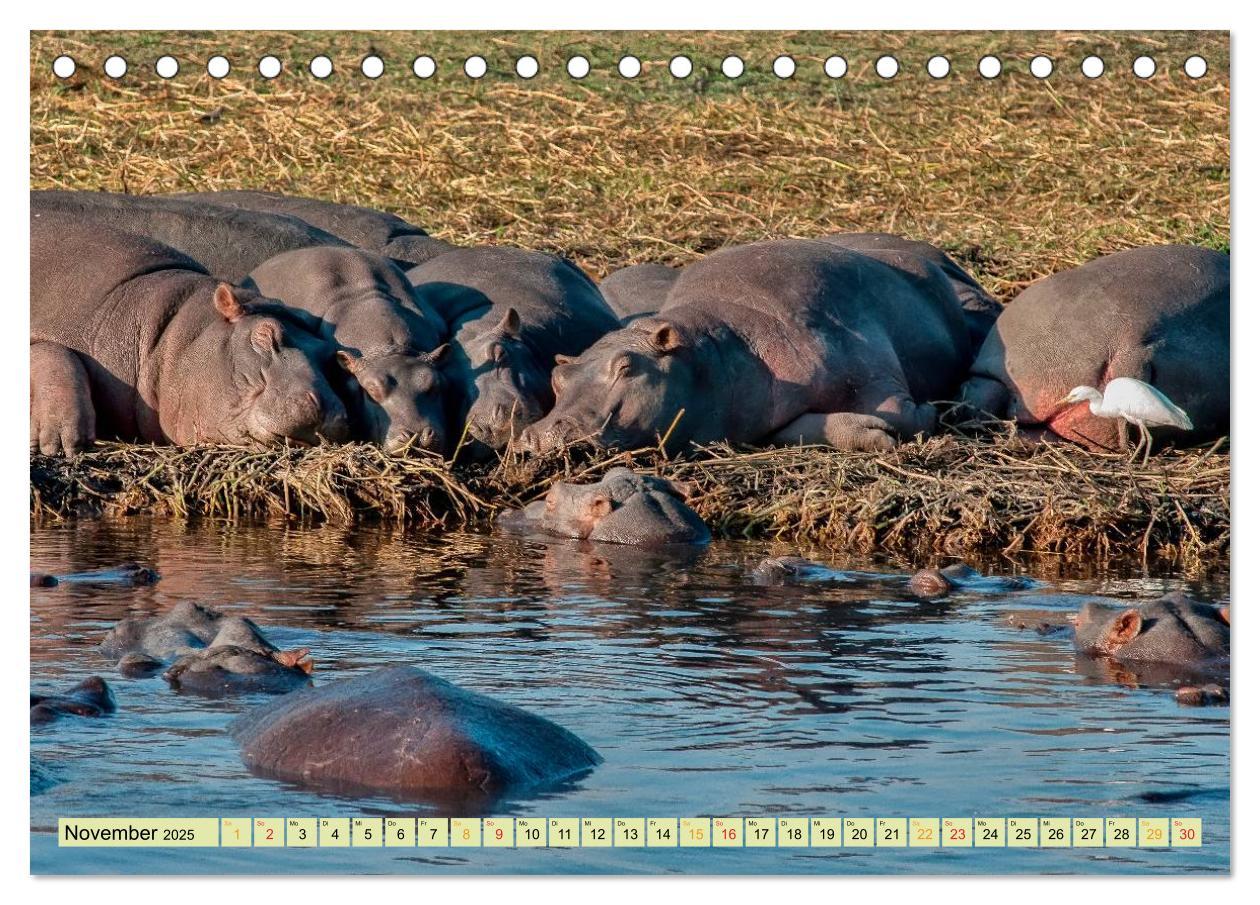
[1144, 67]
[115, 67]
[938, 67]
[886, 67]
[270, 66]
[218, 66]
[321, 67]
[475, 67]
[167, 67]
[990, 67]
[1092, 67]
[732, 67]
[835, 67]
[64, 66]
[372, 66]
[784, 66]
[527, 67]
[629, 67]
[680, 67]
[423, 67]
[1041, 66]
[1196, 67]
[578, 67]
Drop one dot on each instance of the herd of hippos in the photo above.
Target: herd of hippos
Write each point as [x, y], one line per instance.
[254, 318]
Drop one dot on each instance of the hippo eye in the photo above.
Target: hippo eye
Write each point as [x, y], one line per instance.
[376, 390]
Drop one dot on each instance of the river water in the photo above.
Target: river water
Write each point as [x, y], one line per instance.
[705, 694]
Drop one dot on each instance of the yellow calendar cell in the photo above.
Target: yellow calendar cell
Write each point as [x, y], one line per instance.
[236, 831]
[497, 832]
[597, 832]
[1121, 832]
[662, 832]
[793, 832]
[334, 832]
[1153, 832]
[268, 832]
[531, 832]
[925, 832]
[400, 832]
[826, 832]
[1088, 832]
[1056, 832]
[1021, 832]
[990, 832]
[1187, 832]
[859, 832]
[433, 832]
[728, 832]
[629, 832]
[300, 832]
[694, 832]
[956, 832]
[890, 832]
[564, 832]
[759, 832]
[367, 832]
[465, 832]
[132, 832]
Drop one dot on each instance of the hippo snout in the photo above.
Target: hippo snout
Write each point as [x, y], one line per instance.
[428, 439]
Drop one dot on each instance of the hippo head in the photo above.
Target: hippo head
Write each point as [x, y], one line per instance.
[627, 390]
[400, 401]
[259, 382]
[1173, 629]
[509, 389]
[623, 508]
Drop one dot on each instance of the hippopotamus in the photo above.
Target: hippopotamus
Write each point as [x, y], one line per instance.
[384, 233]
[405, 732]
[962, 577]
[1158, 314]
[91, 697]
[214, 654]
[128, 574]
[43, 580]
[512, 312]
[228, 243]
[132, 340]
[638, 290]
[621, 508]
[389, 340]
[782, 570]
[786, 341]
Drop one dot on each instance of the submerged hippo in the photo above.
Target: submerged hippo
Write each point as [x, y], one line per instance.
[91, 697]
[43, 580]
[512, 312]
[390, 342]
[787, 341]
[1158, 314]
[131, 340]
[405, 732]
[128, 574]
[638, 290]
[213, 654]
[962, 577]
[622, 508]
[226, 242]
[384, 233]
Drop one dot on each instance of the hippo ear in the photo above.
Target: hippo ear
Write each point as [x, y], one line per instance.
[511, 323]
[348, 361]
[1123, 629]
[599, 506]
[565, 359]
[227, 304]
[665, 339]
[266, 336]
[1223, 612]
[438, 355]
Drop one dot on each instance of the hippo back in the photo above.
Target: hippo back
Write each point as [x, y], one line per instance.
[638, 290]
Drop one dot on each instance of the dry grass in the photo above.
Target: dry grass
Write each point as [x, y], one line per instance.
[951, 494]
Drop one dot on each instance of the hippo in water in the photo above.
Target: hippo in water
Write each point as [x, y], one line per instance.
[213, 654]
[131, 340]
[1158, 315]
[384, 233]
[512, 312]
[128, 574]
[91, 697]
[786, 341]
[389, 341]
[622, 508]
[638, 290]
[404, 732]
[962, 577]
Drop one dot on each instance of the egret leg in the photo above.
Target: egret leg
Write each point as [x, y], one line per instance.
[1148, 441]
[1124, 438]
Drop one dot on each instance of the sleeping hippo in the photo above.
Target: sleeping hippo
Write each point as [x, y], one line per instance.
[786, 341]
[91, 697]
[622, 508]
[1157, 314]
[213, 654]
[132, 340]
[386, 234]
[404, 732]
[638, 290]
[512, 312]
[389, 341]
[228, 243]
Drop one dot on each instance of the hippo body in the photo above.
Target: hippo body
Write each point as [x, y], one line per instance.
[1158, 314]
[962, 577]
[363, 227]
[389, 339]
[128, 574]
[790, 340]
[639, 290]
[165, 352]
[91, 697]
[227, 242]
[511, 312]
[405, 732]
[622, 508]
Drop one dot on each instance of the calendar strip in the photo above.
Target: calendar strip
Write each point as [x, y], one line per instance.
[631, 832]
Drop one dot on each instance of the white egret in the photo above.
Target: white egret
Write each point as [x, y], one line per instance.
[1138, 403]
